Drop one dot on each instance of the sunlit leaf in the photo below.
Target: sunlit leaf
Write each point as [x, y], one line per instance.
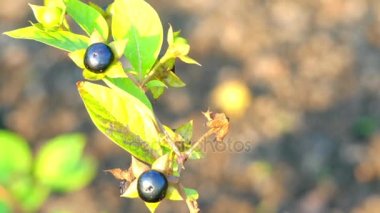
[191, 194]
[78, 57]
[87, 17]
[138, 167]
[152, 206]
[128, 86]
[124, 119]
[60, 163]
[91, 76]
[15, 156]
[186, 131]
[173, 193]
[161, 164]
[115, 70]
[60, 39]
[197, 154]
[118, 47]
[97, 8]
[138, 22]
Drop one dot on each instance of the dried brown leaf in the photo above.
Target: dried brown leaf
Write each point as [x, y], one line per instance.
[218, 123]
[121, 174]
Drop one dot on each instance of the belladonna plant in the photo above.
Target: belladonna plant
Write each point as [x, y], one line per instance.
[120, 47]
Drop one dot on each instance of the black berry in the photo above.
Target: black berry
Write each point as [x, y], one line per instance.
[98, 57]
[152, 186]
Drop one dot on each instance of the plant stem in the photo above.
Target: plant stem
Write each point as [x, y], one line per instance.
[152, 73]
[133, 79]
[199, 141]
[170, 141]
[191, 204]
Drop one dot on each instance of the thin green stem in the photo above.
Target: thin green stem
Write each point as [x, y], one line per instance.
[199, 141]
[191, 204]
[152, 73]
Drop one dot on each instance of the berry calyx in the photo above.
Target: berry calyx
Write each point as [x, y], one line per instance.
[98, 57]
[152, 186]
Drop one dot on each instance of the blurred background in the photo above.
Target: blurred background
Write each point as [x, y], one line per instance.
[300, 81]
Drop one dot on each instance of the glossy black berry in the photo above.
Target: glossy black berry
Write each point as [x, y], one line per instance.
[152, 186]
[98, 57]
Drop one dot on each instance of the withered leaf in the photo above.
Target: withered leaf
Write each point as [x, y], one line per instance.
[218, 123]
[121, 174]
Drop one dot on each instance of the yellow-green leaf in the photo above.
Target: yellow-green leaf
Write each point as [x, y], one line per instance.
[87, 17]
[138, 22]
[191, 194]
[61, 165]
[78, 57]
[173, 193]
[173, 80]
[128, 86]
[124, 119]
[15, 156]
[152, 206]
[186, 130]
[60, 39]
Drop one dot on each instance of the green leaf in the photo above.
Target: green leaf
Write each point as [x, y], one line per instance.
[173, 80]
[124, 119]
[60, 39]
[60, 163]
[87, 17]
[157, 91]
[97, 8]
[155, 83]
[128, 86]
[156, 87]
[5, 207]
[186, 131]
[197, 154]
[15, 156]
[191, 194]
[138, 22]
[29, 194]
[173, 194]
